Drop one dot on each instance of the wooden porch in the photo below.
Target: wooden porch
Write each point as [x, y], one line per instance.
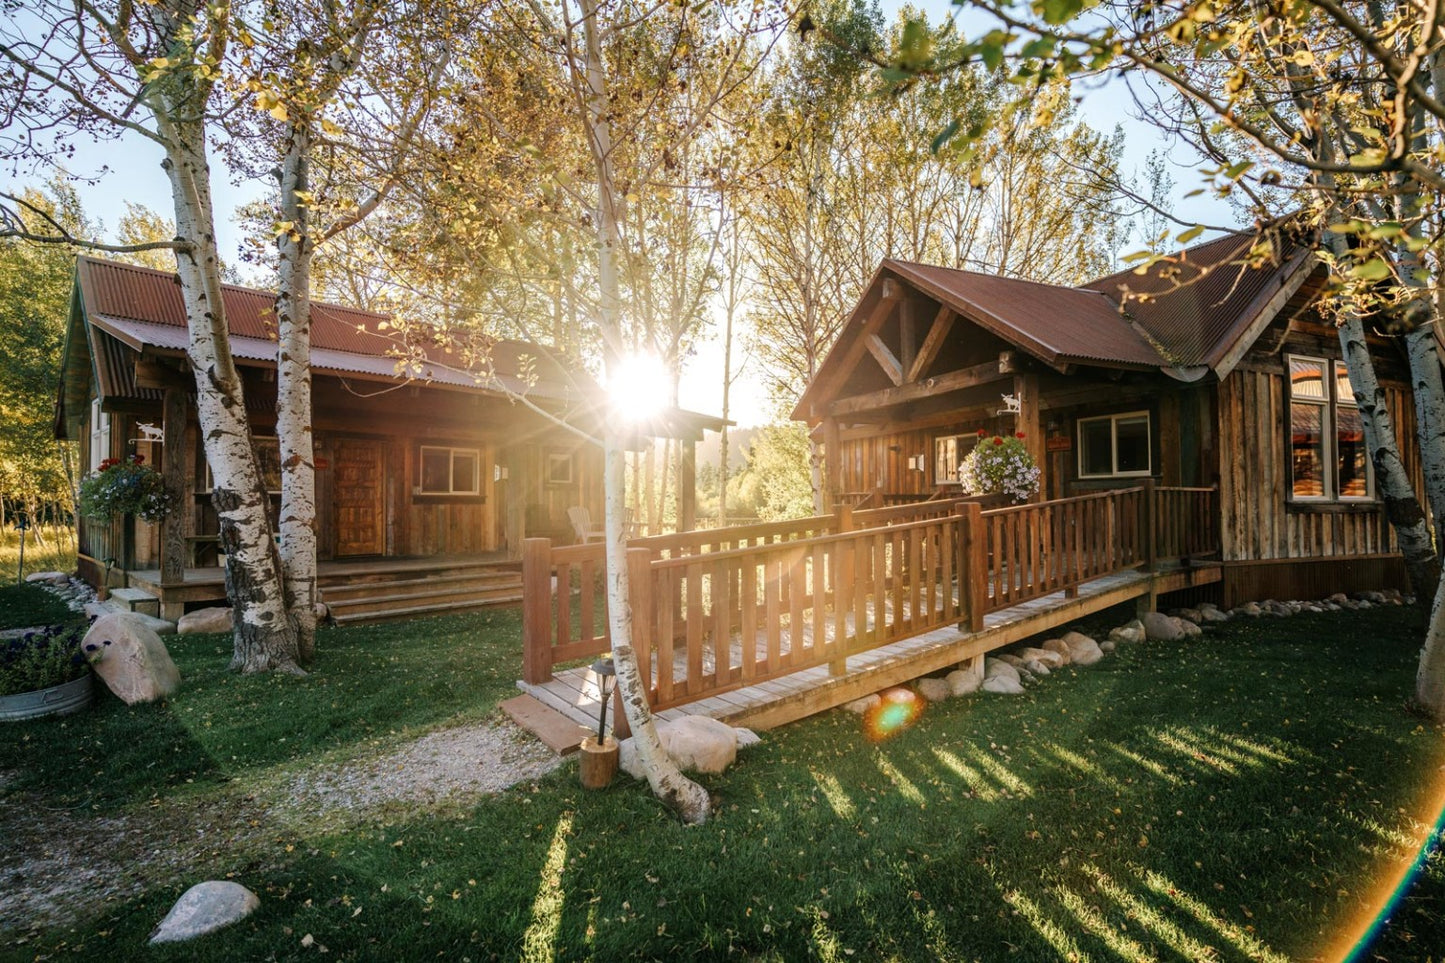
[769, 623]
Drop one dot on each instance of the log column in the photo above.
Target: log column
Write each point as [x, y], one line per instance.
[175, 527]
[1026, 388]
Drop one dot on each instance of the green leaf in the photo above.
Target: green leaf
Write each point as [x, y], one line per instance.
[1060, 11]
[1386, 229]
[992, 54]
[1186, 236]
[944, 136]
[1233, 171]
[1374, 269]
[895, 75]
[1041, 47]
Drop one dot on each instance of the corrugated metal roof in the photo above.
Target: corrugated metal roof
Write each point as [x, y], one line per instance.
[1061, 325]
[1197, 304]
[143, 307]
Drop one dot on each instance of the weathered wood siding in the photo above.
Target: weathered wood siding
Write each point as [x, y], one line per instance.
[1258, 520]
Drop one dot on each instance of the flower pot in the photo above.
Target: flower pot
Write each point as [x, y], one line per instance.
[58, 700]
[597, 764]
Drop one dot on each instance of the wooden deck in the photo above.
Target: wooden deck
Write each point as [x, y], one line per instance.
[573, 692]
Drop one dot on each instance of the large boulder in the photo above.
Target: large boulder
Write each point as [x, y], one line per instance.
[205, 908]
[695, 743]
[1211, 613]
[1082, 649]
[1020, 666]
[57, 579]
[997, 668]
[1036, 668]
[1002, 685]
[1159, 627]
[934, 690]
[967, 680]
[1190, 630]
[130, 658]
[215, 619]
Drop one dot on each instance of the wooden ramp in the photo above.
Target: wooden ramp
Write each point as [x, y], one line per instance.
[573, 692]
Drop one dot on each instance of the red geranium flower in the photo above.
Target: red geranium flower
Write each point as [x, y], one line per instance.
[981, 433]
[997, 440]
[138, 458]
[1018, 434]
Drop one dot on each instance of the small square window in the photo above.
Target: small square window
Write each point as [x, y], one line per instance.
[1115, 445]
[449, 471]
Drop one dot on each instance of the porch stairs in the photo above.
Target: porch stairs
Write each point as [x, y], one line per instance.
[417, 588]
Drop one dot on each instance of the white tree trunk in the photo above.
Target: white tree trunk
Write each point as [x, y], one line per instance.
[264, 639]
[815, 472]
[293, 393]
[686, 797]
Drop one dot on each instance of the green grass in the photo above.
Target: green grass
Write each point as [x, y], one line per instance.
[1231, 798]
[370, 685]
[22, 606]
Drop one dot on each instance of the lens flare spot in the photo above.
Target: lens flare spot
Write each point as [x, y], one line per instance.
[899, 709]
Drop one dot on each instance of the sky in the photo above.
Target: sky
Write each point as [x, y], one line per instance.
[132, 172]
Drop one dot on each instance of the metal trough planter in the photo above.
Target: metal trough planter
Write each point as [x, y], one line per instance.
[57, 700]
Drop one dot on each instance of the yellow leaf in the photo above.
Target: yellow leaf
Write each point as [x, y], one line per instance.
[329, 129]
[160, 63]
[1304, 58]
[279, 112]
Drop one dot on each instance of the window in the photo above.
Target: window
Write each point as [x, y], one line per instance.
[1115, 445]
[450, 471]
[1328, 459]
[99, 435]
[559, 468]
[267, 449]
[947, 453]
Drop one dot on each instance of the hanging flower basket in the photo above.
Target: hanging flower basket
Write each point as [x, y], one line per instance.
[125, 486]
[1000, 465]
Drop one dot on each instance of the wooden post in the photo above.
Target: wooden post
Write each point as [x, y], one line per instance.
[537, 610]
[1150, 534]
[972, 565]
[173, 469]
[843, 588]
[832, 458]
[1026, 387]
[687, 485]
[639, 590]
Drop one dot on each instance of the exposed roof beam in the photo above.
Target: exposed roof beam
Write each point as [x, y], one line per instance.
[937, 334]
[979, 374]
[890, 292]
[891, 366]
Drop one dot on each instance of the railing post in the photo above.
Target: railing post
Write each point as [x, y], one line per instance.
[972, 565]
[1151, 526]
[843, 589]
[639, 590]
[536, 610]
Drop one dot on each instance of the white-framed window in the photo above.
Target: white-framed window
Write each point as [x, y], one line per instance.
[99, 435]
[450, 471]
[1328, 457]
[1113, 446]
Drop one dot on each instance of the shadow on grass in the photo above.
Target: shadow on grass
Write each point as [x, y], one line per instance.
[1228, 799]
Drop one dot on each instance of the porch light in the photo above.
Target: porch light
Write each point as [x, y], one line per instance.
[604, 670]
[638, 385]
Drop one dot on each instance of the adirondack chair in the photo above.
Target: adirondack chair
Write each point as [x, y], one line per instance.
[582, 524]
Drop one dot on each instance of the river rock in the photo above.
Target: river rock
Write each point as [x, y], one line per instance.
[1190, 630]
[1058, 646]
[205, 908]
[966, 680]
[1130, 632]
[1211, 613]
[1003, 685]
[130, 658]
[860, 706]
[1250, 609]
[1107, 646]
[934, 690]
[1048, 657]
[58, 579]
[1159, 627]
[1188, 614]
[215, 619]
[1082, 649]
[997, 668]
[1277, 609]
[1036, 668]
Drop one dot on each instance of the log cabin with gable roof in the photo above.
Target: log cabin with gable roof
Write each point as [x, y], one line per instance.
[1209, 371]
[429, 473]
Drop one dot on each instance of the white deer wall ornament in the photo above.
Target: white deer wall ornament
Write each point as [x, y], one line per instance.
[150, 432]
[1012, 404]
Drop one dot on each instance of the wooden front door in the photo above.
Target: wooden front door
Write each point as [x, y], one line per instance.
[358, 493]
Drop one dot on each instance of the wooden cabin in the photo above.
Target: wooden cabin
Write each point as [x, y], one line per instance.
[1208, 373]
[422, 451]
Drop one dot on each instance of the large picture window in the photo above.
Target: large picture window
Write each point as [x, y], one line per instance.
[1328, 459]
[1115, 445]
[450, 471]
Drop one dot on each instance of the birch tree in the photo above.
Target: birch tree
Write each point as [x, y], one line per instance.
[151, 71]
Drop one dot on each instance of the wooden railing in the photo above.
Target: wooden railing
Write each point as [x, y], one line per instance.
[724, 608]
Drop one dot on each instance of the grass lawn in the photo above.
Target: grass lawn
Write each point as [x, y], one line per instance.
[57, 554]
[1241, 797]
[22, 606]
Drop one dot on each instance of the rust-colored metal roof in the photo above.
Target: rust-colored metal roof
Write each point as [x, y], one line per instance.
[143, 308]
[1057, 324]
[1196, 305]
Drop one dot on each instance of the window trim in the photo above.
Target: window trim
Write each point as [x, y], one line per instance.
[100, 434]
[960, 452]
[1114, 420]
[1330, 371]
[452, 451]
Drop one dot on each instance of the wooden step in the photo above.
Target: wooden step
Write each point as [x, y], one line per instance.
[401, 600]
[421, 611]
[479, 581]
[443, 569]
[560, 733]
